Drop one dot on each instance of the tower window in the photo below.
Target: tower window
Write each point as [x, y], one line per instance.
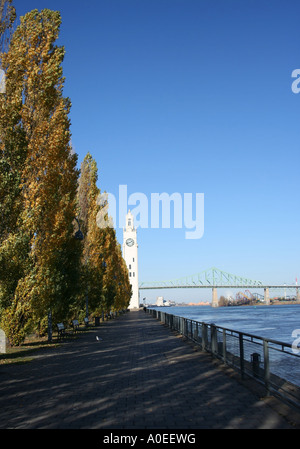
[133, 274]
[129, 267]
[133, 259]
[129, 222]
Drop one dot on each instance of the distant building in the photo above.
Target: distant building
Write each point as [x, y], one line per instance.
[160, 301]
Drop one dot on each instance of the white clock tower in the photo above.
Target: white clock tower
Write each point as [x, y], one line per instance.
[130, 255]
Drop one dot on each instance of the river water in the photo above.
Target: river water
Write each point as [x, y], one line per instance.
[276, 322]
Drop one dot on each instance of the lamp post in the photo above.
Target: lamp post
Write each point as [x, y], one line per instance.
[49, 325]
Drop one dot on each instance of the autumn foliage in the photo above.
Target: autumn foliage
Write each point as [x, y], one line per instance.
[43, 267]
[105, 272]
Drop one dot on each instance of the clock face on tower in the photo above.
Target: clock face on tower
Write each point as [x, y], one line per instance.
[129, 242]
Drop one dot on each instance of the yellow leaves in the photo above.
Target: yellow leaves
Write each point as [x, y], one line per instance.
[43, 271]
[102, 253]
[48, 174]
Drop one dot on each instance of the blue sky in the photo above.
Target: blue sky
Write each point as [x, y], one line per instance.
[192, 96]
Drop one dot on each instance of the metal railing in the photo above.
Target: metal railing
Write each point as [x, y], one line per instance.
[270, 362]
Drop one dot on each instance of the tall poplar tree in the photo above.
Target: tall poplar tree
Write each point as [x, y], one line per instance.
[93, 259]
[13, 153]
[116, 285]
[106, 277]
[46, 192]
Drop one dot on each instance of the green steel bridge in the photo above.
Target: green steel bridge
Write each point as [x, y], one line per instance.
[214, 279]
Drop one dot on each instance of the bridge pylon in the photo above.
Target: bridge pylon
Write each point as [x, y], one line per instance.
[267, 296]
[215, 301]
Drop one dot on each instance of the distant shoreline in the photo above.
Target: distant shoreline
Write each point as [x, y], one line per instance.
[205, 304]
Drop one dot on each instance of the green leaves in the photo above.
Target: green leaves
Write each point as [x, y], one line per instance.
[39, 175]
[106, 277]
[42, 266]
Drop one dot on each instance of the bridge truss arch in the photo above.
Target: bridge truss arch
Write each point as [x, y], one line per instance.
[212, 277]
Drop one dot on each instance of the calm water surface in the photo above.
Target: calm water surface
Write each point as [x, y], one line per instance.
[275, 322]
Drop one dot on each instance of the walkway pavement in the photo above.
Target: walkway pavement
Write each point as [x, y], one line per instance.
[139, 376]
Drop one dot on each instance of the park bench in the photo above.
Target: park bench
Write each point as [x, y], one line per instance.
[75, 325]
[61, 330]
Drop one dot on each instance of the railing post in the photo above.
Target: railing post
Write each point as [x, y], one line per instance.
[182, 325]
[214, 339]
[195, 333]
[224, 346]
[241, 344]
[267, 366]
[204, 336]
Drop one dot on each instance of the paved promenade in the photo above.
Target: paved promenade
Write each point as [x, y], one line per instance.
[139, 376]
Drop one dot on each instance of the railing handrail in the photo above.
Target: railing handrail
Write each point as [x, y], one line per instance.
[258, 337]
[262, 375]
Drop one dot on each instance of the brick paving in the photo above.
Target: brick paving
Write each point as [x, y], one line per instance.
[139, 376]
